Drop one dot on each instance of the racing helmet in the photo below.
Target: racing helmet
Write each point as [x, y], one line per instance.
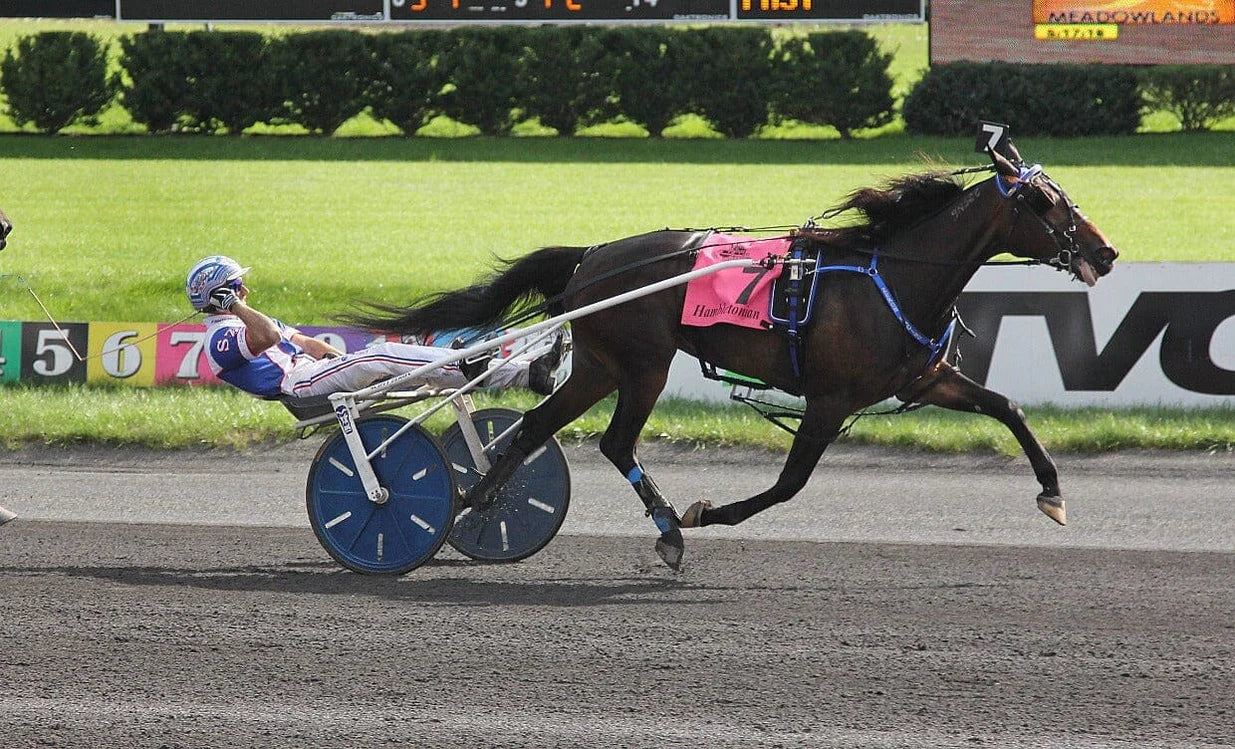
[209, 274]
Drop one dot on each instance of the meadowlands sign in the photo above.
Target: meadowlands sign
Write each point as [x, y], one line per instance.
[1134, 12]
[1147, 334]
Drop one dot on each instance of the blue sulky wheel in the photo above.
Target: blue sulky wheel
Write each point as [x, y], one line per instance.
[400, 534]
[528, 510]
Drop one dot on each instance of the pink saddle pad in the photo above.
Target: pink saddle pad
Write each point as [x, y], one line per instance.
[735, 296]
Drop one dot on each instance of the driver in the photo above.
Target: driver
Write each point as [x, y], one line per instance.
[264, 357]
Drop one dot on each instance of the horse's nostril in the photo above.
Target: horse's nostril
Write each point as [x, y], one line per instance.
[1107, 254]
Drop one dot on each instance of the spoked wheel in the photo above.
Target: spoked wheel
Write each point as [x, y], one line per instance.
[528, 510]
[409, 527]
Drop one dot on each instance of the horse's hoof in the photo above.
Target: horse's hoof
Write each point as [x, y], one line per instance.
[1053, 506]
[6, 515]
[693, 517]
[670, 549]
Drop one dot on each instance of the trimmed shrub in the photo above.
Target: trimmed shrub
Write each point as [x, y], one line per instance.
[199, 80]
[729, 70]
[837, 78]
[951, 98]
[408, 78]
[481, 63]
[325, 77]
[159, 94]
[556, 82]
[233, 80]
[599, 62]
[57, 78]
[1199, 95]
[647, 86]
[1059, 100]
[1088, 100]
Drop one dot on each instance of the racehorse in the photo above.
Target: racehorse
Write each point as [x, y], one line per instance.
[868, 341]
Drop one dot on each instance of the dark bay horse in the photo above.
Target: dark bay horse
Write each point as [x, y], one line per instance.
[931, 233]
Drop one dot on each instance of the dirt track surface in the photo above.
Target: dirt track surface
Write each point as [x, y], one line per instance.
[153, 635]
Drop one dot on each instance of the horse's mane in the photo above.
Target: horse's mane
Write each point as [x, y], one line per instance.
[893, 207]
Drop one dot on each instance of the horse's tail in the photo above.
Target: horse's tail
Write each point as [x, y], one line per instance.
[543, 273]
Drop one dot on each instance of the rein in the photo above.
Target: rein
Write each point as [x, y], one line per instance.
[536, 311]
[65, 336]
[692, 246]
[810, 230]
[818, 235]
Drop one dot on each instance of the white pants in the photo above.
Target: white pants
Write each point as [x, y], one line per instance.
[362, 368]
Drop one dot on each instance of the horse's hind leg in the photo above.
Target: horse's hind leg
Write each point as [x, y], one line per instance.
[637, 396]
[953, 390]
[587, 384]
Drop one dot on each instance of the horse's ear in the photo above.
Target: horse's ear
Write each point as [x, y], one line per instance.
[1004, 167]
[1010, 151]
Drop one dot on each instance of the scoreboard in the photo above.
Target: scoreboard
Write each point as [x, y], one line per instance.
[655, 10]
[460, 11]
[61, 9]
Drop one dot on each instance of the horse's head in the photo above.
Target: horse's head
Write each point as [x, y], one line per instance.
[1047, 225]
[5, 228]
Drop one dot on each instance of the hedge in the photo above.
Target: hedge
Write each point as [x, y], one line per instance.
[1199, 95]
[1060, 100]
[737, 77]
[407, 77]
[557, 80]
[840, 78]
[482, 65]
[325, 77]
[642, 68]
[56, 79]
[199, 80]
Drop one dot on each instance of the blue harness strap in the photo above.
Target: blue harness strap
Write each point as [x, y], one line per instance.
[1009, 187]
[794, 291]
[936, 345]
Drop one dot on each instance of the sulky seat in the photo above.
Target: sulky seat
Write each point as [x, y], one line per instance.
[309, 407]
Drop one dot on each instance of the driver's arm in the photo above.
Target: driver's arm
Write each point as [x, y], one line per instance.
[314, 347]
[260, 331]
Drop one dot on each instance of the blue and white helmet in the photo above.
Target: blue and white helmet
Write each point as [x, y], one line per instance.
[209, 274]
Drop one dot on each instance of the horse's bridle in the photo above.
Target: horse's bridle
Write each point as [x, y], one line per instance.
[1027, 192]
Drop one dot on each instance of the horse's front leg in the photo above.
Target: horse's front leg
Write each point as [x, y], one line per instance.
[820, 424]
[950, 389]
